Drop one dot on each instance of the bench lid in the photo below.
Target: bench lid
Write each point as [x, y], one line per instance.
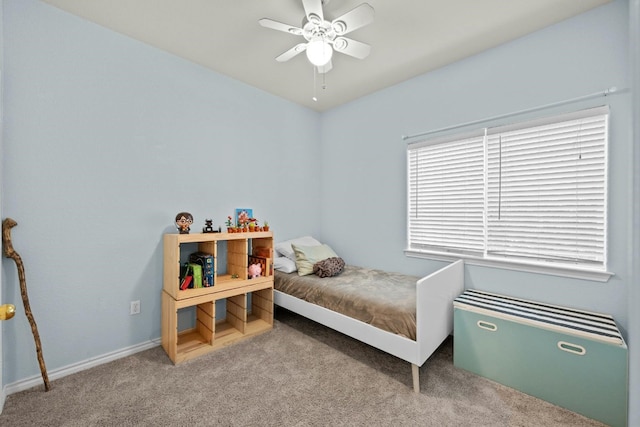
[595, 326]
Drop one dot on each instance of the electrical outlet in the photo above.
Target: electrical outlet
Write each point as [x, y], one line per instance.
[135, 307]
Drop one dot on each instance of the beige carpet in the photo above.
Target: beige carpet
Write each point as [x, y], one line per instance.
[298, 374]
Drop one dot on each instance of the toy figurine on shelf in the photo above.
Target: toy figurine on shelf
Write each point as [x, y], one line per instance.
[183, 222]
[254, 270]
[208, 227]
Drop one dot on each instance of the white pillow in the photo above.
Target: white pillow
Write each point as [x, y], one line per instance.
[285, 249]
[284, 264]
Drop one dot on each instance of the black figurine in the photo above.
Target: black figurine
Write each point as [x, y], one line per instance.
[208, 226]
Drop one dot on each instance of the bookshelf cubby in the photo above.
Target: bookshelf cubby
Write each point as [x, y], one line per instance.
[231, 283]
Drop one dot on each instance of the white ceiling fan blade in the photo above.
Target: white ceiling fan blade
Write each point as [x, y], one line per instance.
[351, 47]
[292, 52]
[325, 68]
[313, 10]
[354, 19]
[275, 25]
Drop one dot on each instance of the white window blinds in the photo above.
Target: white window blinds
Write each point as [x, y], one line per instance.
[546, 189]
[446, 195]
[531, 192]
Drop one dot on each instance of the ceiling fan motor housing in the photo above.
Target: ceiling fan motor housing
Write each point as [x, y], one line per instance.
[313, 29]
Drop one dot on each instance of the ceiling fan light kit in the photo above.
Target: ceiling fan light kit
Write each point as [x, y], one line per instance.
[323, 36]
[319, 52]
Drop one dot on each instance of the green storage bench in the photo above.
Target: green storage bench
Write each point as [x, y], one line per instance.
[572, 358]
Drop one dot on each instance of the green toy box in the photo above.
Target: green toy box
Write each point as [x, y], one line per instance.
[572, 358]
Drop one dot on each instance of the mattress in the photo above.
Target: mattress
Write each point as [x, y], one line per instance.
[382, 299]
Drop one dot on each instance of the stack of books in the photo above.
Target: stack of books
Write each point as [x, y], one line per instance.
[206, 264]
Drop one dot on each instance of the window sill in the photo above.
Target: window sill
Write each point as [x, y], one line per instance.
[574, 273]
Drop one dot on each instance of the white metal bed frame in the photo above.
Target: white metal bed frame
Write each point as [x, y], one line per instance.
[434, 318]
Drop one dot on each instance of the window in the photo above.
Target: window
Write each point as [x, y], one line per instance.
[528, 193]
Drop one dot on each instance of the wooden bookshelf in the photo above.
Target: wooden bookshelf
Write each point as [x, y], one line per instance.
[241, 320]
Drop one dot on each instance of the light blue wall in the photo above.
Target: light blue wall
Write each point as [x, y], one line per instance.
[364, 156]
[364, 163]
[105, 140]
[2, 297]
[634, 290]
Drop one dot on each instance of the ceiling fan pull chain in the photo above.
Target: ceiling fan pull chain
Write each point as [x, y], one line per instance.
[314, 84]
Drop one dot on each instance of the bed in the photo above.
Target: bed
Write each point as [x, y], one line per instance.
[405, 316]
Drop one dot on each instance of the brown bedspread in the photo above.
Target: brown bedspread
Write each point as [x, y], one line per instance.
[382, 299]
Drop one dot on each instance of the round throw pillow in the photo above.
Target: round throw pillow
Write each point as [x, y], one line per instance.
[328, 267]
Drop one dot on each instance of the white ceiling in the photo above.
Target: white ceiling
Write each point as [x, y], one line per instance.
[408, 37]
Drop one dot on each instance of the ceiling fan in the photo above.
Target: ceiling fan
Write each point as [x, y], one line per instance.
[322, 36]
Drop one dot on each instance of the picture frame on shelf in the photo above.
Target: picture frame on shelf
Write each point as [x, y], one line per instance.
[243, 215]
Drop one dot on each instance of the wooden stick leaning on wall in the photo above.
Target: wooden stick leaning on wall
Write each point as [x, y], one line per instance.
[9, 252]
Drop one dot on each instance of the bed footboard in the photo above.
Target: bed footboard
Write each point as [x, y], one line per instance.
[434, 311]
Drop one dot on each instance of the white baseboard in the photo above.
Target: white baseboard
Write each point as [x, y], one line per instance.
[36, 380]
[3, 397]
